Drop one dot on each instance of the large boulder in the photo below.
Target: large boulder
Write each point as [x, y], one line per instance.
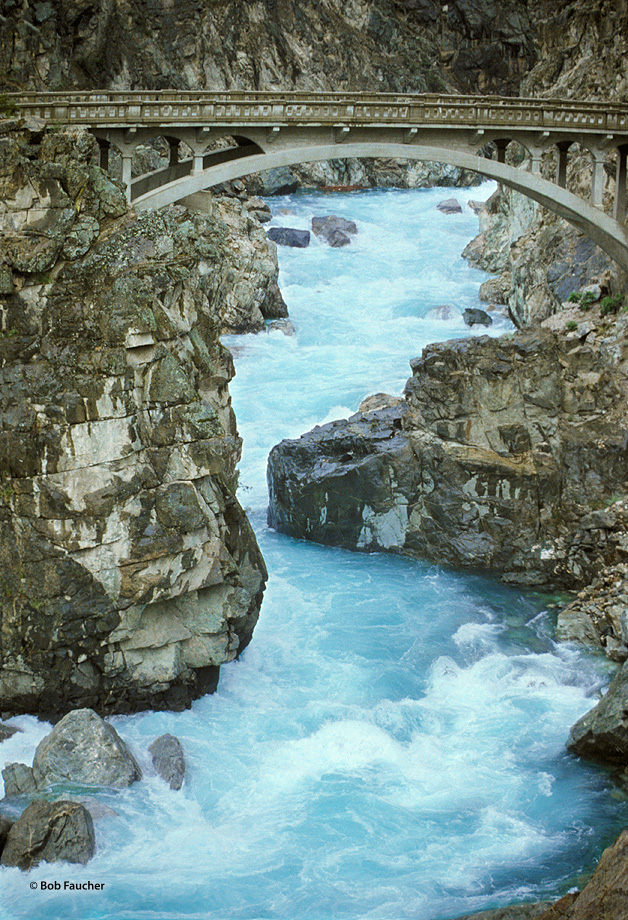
[83, 748]
[49, 832]
[602, 734]
[168, 760]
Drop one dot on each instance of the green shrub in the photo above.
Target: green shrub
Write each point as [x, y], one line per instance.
[571, 326]
[574, 297]
[611, 304]
[587, 299]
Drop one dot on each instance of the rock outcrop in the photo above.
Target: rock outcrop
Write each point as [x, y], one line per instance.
[50, 832]
[129, 570]
[501, 459]
[602, 733]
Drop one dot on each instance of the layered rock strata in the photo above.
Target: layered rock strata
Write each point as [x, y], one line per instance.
[129, 570]
[502, 458]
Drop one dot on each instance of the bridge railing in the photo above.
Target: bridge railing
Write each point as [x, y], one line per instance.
[266, 108]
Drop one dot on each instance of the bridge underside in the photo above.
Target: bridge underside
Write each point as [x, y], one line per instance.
[259, 149]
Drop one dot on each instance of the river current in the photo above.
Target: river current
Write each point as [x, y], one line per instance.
[391, 744]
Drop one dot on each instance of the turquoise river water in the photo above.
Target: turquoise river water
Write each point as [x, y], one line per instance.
[391, 744]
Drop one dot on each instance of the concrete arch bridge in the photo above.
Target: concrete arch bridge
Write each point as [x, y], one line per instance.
[271, 129]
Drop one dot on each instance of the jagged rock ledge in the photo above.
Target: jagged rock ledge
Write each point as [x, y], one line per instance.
[503, 457]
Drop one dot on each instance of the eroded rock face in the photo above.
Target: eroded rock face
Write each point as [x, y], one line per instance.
[129, 570]
[502, 449]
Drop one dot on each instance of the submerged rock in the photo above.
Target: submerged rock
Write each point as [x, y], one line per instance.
[168, 760]
[83, 748]
[476, 318]
[49, 832]
[288, 236]
[450, 206]
[337, 231]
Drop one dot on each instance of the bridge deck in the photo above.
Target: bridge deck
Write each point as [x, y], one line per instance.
[117, 109]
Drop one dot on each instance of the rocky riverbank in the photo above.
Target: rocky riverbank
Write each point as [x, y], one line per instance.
[130, 572]
[502, 456]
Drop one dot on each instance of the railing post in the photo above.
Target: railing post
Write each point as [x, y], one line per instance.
[127, 160]
[619, 210]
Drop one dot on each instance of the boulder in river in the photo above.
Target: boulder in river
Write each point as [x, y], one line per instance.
[18, 780]
[450, 206]
[48, 832]
[168, 759]
[83, 748]
[337, 231]
[289, 236]
[476, 318]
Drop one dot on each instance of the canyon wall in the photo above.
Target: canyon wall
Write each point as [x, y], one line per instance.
[129, 570]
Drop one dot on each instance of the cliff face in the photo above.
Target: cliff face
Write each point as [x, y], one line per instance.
[397, 45]
[129, 570]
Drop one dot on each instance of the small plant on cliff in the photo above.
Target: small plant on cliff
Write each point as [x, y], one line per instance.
[587, 300]
[610, 304]
[7, 106]
[574, 297]
[571, 326]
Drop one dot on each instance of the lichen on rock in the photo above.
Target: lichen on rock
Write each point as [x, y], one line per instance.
[129, 570]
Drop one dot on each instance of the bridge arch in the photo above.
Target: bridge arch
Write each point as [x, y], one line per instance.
[608, 233]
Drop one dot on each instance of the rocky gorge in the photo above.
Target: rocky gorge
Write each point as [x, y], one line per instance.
[130, 571]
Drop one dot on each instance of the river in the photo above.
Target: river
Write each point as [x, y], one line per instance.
[391, 744]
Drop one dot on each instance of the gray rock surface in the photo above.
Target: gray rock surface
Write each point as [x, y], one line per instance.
[50, 832]
[476, 317]
[7, 731]
[82, 748]
[450, 206]
[168, 759]
[602, 734]
[288, 236]
[18, 780]
[337, 231]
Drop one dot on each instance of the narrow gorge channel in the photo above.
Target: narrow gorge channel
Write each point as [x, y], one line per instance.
[391, 744]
